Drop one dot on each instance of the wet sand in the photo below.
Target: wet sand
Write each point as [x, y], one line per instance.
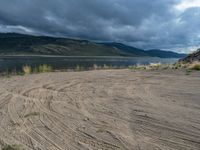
[101, 110]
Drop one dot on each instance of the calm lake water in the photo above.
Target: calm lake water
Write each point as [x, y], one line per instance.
[9, 63]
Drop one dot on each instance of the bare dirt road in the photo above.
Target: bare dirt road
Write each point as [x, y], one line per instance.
[101, 110]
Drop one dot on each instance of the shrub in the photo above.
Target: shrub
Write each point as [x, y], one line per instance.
[138, 67]
[41, 69]
[132, 67]
[180, 65]
[154, 65]
[176, 66]
[195, 67]
[35, 70]
[79, 68]
[44, 68]
[27, 70]
[141, 67]
[106, 66]
[95, 66]
[166, 66]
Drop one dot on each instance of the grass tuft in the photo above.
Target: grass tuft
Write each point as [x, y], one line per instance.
[95, 66]
[196, 67]
[79, 68]
[41, 69]
[44, 68]
[27, 70]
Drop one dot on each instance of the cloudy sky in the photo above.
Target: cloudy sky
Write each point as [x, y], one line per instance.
[165, 24]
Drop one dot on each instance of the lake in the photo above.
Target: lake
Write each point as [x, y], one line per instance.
[10, 63]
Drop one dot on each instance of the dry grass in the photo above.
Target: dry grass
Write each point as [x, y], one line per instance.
[27, 69]
[41, 69]
[45, 68]
[95, 67]
[79, 68]
[194, 66]
[156, 66]
[151, 66]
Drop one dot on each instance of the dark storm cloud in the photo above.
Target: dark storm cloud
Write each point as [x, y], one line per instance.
[142, 23]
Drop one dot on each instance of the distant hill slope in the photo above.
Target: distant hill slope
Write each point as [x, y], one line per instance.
[127, 49]
[12, 43]
[140, 52]
[15, 44]
[165, 54]
[192, 57]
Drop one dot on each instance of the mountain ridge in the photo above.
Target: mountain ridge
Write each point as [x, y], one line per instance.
[151, 52]
[16, 44]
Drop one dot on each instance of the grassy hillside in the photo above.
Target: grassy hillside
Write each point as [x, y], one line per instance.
[127, 49]
[140, 52]
[24, 44]
[12, 44]
[165, 54]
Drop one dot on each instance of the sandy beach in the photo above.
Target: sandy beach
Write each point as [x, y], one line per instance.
[101, 110]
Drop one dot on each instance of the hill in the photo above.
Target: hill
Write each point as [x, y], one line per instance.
[127, 49]
[12, 43]
[140, 52]
[192, 57]
[15, 44]
[165, 54]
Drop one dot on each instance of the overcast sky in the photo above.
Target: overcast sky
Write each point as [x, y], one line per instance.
[165, 24]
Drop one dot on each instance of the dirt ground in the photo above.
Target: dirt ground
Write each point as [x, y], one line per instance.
[101, 110]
